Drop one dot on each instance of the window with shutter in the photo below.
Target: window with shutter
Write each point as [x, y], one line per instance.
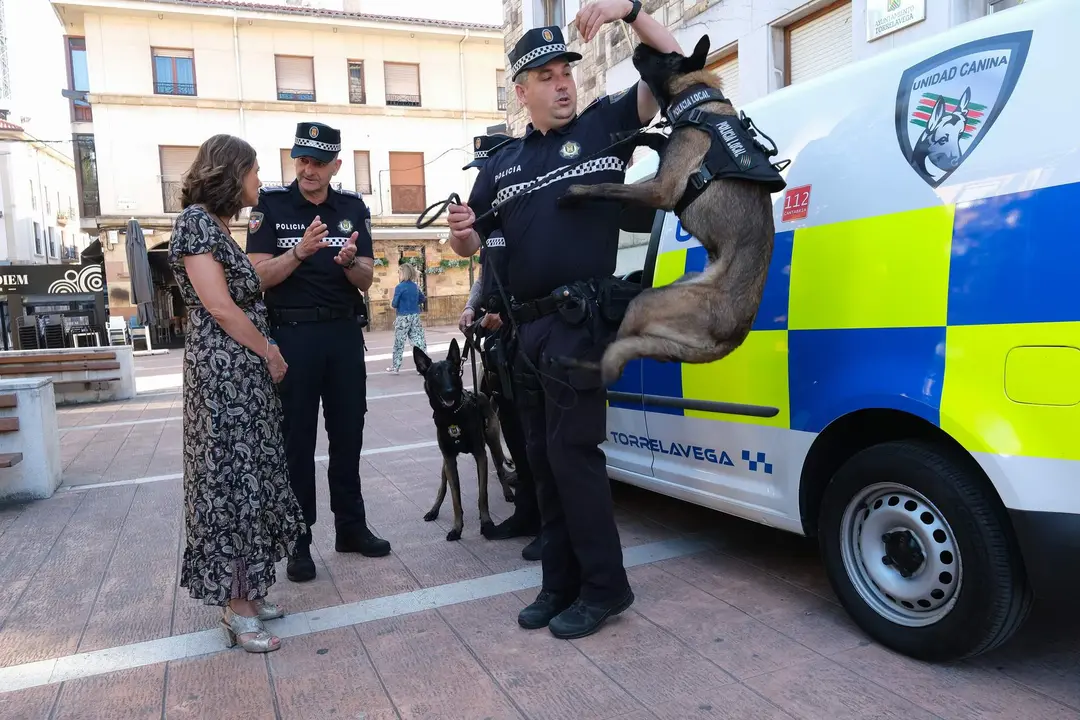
[175, 161]
[819, 43]
[362, 164]
[295, 78]
[288, 167]
[727, 69]
[174, 71]
[402, 84]
[500, 88]
[407, 183]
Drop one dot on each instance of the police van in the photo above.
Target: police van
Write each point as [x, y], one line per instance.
[910, 392]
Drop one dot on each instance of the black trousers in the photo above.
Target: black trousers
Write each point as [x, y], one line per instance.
[526, 504]
[326, 362]
[581, 554]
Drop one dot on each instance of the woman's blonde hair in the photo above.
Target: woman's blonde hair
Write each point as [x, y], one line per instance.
[408, 272]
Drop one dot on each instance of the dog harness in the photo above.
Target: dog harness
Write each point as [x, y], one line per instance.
[734, 152]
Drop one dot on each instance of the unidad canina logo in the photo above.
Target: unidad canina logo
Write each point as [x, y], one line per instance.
[947, 104]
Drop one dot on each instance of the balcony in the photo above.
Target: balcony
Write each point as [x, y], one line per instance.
[403, 101]
[502, 98]
[171, 88]
[90, 206]
[356, 94]
[69, 253]
[62, 217]
[293, 95]
[407, 199]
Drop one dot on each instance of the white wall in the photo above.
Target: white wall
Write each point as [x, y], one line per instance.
[128, 133]
[28, 173]
[754, 27]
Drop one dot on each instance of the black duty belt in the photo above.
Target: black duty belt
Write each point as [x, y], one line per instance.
[312, 314]
[534, 309]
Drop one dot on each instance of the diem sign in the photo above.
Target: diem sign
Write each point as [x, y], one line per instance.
[888, 16]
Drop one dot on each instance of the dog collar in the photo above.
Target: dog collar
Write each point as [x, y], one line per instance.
[689, 99]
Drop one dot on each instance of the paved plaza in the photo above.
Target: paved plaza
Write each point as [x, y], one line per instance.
[732, 620]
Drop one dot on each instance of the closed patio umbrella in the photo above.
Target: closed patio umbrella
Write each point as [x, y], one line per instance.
[142, 287]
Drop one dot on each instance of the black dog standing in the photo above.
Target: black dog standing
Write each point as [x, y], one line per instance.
[312, 247]
[559, 260]
[497, 351]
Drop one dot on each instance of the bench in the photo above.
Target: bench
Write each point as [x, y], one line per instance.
[30, 466]
[78, 374]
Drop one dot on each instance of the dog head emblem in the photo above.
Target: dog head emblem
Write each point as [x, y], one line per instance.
[442, 379]
[661, 70]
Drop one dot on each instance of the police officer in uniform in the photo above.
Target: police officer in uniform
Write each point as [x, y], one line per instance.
[483, 301]
[312, 247]
[557, 257]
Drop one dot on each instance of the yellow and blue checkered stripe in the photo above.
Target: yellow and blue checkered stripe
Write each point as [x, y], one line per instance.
[921, 311]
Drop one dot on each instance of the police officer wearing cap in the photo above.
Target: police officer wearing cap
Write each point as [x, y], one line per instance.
[550, 248]
[312, 247]
[483, 301]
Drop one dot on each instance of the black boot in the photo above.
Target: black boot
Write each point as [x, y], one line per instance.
[512, 527]
[531, 552]
[546, 606]
[362, 541]
[583, 618]
[301, 567]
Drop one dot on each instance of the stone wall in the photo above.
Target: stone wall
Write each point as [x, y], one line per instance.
[610, 47]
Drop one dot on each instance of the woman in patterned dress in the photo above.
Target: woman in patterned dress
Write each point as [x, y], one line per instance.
[240, 513]
[408, 301]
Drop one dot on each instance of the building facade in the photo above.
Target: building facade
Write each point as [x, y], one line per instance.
[39, 213]
[149, 81]
[757, 46]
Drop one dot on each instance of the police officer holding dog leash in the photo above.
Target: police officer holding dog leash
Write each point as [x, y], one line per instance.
[497, 343]
[558, 261]
[312, 247]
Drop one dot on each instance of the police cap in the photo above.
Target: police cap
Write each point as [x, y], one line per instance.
[483, 146]
[537, 47]
[315, 140]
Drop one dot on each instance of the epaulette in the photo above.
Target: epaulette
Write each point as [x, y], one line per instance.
[501, 146]
[350, 193]
[274, 189]
[590, 106]
[614, 97]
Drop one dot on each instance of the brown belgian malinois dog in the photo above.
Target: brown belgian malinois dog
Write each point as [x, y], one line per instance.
[704, 316]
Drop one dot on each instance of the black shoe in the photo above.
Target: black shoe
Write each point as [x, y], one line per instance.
[546, 606]
[583, 618]
[531, 552]
[301, 567]
[361, 541]
[513, 527]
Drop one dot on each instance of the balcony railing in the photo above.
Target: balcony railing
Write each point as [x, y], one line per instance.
[69, 253]
[502, 98]
[407, 199]
[356, 95]
[170, 195]
[293, 95]
[171, 88]
[91, 204]
[403, 101]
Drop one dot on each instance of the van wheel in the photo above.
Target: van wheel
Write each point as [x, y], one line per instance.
[920, 555]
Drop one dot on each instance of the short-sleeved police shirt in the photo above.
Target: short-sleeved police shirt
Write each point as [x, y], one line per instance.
[277, 225]
[548, 246]
[492, 260]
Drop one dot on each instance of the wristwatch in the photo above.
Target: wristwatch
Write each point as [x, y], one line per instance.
[632, 15]
[352, 263]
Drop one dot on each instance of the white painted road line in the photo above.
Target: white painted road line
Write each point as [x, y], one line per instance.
[206, 642]
[151, 421]
[179, 476]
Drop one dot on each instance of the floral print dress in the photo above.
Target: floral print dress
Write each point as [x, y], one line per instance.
[240, 513]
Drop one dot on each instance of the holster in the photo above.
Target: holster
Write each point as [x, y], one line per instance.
[614, 296]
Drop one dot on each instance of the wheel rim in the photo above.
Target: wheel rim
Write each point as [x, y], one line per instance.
[901, 554]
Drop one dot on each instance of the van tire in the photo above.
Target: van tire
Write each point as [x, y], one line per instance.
[990, 598]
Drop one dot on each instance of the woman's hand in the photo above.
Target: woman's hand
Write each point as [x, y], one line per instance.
[276, 363]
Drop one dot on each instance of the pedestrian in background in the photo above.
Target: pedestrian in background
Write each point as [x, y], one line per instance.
[408, 299]
[240, 514]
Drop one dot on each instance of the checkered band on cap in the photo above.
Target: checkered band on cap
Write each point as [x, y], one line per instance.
[328, 147]
[480, 154]
[533, 54]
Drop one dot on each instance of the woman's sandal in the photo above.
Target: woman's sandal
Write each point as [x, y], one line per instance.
[236, 625]
[269, 611]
